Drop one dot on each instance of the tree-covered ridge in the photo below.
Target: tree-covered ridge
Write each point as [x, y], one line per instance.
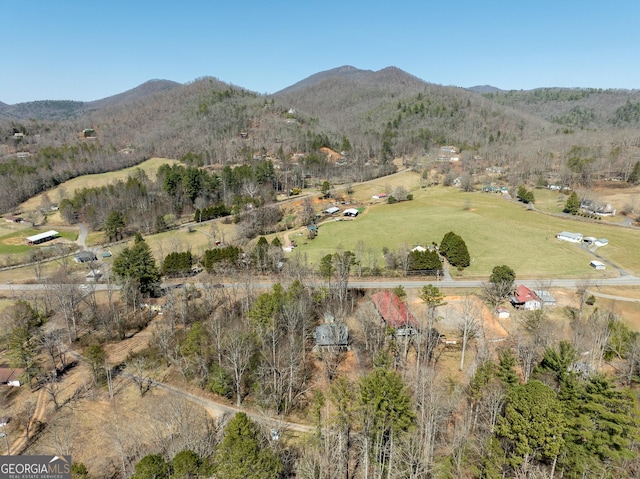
[381, 116]
[543, 95]
[629, 114]
[573, 107]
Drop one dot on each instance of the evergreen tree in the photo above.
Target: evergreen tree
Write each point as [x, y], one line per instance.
[572, 206]
[602, 424]
[23, 350]
[114, 226]
[424, 261]
[326, 266]
[506, 370]
[177, 264]
[533, 425]
[556, 364]
[240, 455]
[186, 465]
[152, 466]
[502, 274]
[79, 471]
[137, 263]
[634, 176]
[386, 411]
[525, 195]
[455, 250]
[500, 285]
[325, 189]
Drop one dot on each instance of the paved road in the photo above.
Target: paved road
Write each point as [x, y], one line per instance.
[628, 280]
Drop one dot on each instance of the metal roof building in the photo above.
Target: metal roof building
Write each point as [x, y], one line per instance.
[42, 237]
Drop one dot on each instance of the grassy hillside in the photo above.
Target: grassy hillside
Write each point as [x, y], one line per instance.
[496, 231]
[66, 189]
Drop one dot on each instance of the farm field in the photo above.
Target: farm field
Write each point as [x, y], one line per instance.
[496, 231]
[13, 243]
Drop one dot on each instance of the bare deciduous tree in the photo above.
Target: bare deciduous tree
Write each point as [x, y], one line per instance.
[138, 368]
[468, 325]
[240, 349]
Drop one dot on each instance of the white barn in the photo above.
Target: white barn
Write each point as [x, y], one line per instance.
[42, 237]
[570, 237]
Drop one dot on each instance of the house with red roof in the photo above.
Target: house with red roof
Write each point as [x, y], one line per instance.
[524, 298]
[395, 313]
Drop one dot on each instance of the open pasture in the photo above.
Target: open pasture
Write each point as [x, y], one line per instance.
[496, 231]
[14, 242]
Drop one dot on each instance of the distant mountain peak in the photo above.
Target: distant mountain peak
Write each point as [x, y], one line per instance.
[348, 72]
[484, 89]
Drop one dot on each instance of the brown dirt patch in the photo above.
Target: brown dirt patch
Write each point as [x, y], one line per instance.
[14, 241]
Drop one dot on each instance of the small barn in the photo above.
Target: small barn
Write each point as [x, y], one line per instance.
[598, 265]
[332, 334]
[42, 237]
[332, 210]
[350, 212]
[503, 313]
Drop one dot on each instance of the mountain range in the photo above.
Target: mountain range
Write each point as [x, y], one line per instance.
[60, 109]
[376, 115]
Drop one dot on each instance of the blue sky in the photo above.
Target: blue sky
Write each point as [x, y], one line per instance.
[72, 50]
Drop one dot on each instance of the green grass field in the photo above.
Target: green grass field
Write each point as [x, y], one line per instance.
[15, 242]
[496, 231]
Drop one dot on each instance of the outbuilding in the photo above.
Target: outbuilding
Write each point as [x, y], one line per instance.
[332, 210]
[42, 237]
[570, 237]
[84, 257]
[598, 265]
[350, 212]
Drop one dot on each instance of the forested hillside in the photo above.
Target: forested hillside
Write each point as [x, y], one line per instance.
[370, 117]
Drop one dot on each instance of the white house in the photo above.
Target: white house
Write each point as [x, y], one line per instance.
[524, 298]
[570, 237]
